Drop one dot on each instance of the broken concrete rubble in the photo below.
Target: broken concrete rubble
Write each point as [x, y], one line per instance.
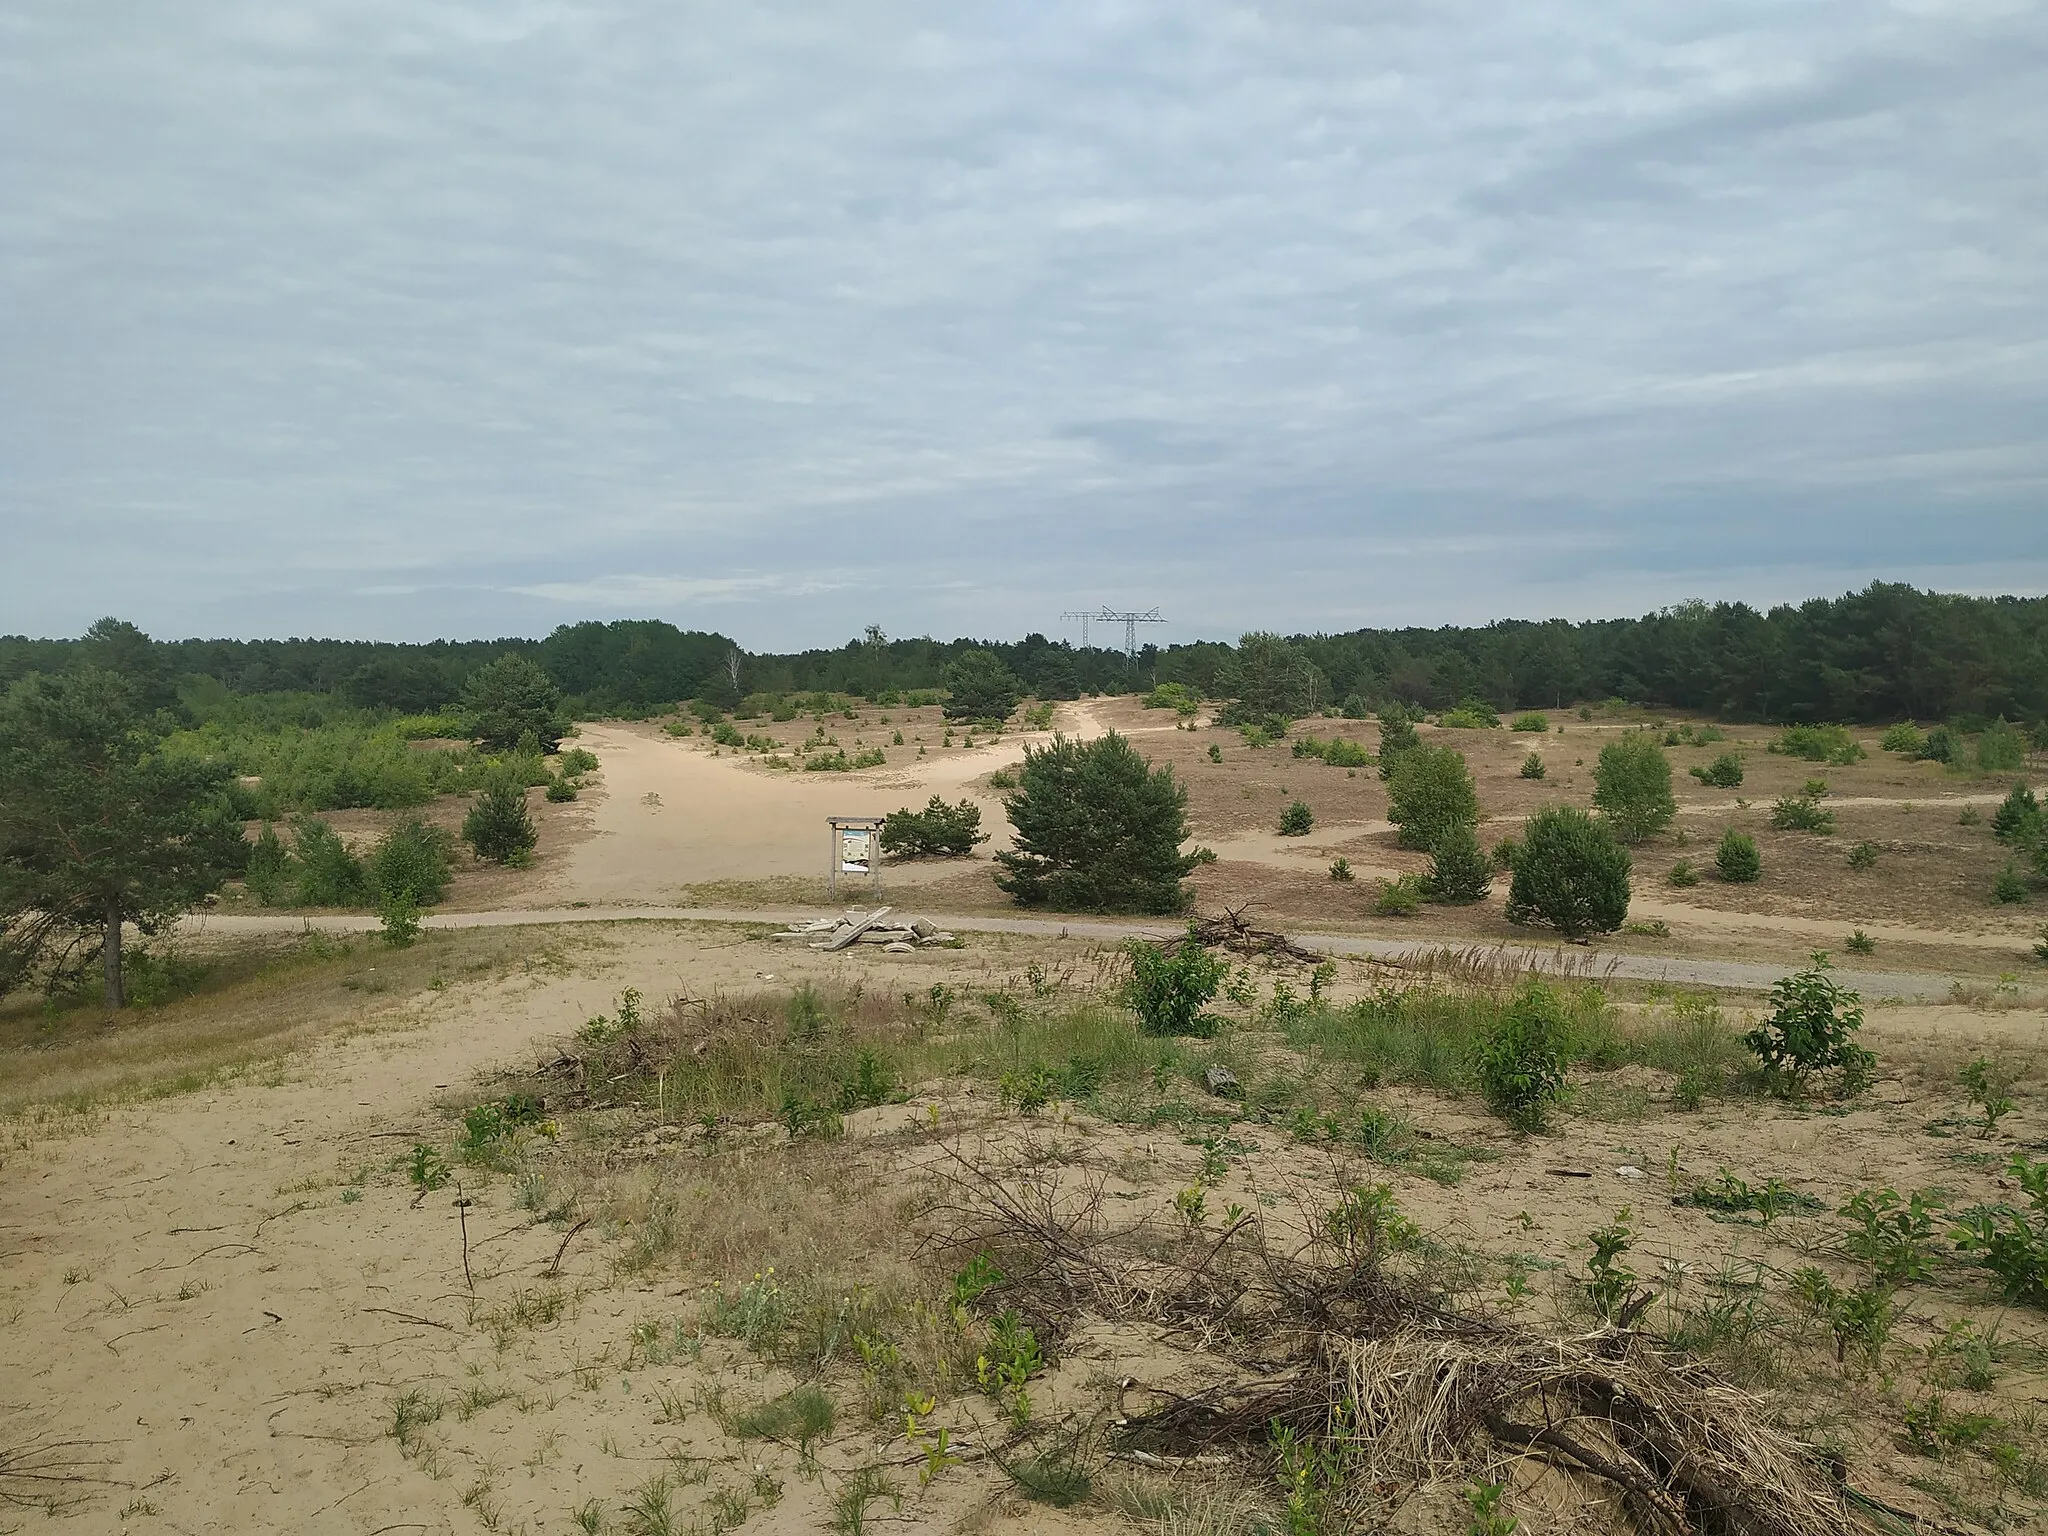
[896, 935]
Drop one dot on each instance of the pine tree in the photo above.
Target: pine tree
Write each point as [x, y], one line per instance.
[1098, 829]
[1632, 787]
[1570, 874]
[498, 825]
[99, 828]
[1460, 872]
[509, 698]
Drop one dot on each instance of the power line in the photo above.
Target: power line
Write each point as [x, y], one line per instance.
[1108, 615]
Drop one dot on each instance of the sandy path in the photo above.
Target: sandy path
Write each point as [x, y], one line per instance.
[668, 814]
[1676, 970]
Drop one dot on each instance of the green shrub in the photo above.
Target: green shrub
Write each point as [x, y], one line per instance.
[1801, 813]
[561, 791]
[1531, 720]
[1811, 1028]
[2018, 817]
[1504, 853]
[576, 761]
[1399, 898]
[1215, 753]
[1178, 697]
[1296, 820]
[1819, 744]
[1682, 874]
[1940, 746]
[1168, 991]
[1337, 752]
[1429, 794]
[498, 827]
[1863, 855]
[509, 699]
[399, 919]
[330, 873]
[2013, 1243]
[411, 864]
[1633, 787]
[1570, 874]
[1465, 719]
[980, 687]
[1968, 817]
[1532, 767]
[1521, 1063]
[1724, 772]
[2041, 944]
[1460, 873]
[1097, 829]
[1860, 943]
[1340, 870]
[268, 874]
[1737, 859]
[1397, 736]
[939, 831]
[2010, 886]
[1904, 737]
[2001, 749]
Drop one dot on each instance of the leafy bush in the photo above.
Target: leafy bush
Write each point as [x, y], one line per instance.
[1940, 746]
[1863, 855]
[1570, 874]
[980, 687]
[1819, 744]
[268, 874]
[1296, 820]
[2013, 1243]
[330, 874]
[1801, 813]
[1532, 720]
[1178, 697]
[1737, 859]
[577, 761]
[1465, 718]
[1532, 767]
[1633, 787]
[1682, 874]
[1811, 1028]
[1399, 898]
[1429, 794]
[1337, 752]
[1169, 991]
[561, 791]
[511, 698]
[1724, 772]
[411, 865]
[2010, 887]
[2001, 749]
[1097, 829]
[498, 827]
[1460, 873]
[2018, 817]
[938, 831]
[1904, 737]
[1521, 1063]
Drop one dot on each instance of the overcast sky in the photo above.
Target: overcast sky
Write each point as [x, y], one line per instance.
[406, 318]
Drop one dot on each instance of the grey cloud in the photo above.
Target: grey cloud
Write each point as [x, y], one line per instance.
[465, 317]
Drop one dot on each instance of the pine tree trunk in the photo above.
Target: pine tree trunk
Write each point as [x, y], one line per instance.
[110, 957]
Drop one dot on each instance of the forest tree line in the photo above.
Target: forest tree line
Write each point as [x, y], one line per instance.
[1886, 653]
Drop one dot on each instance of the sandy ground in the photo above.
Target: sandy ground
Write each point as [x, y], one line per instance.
[214, 1301]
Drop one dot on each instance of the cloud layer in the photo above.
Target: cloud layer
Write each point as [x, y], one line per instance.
[409, 319]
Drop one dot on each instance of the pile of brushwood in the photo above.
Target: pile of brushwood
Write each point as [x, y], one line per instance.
[1233, 929]
[1345, 1369]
